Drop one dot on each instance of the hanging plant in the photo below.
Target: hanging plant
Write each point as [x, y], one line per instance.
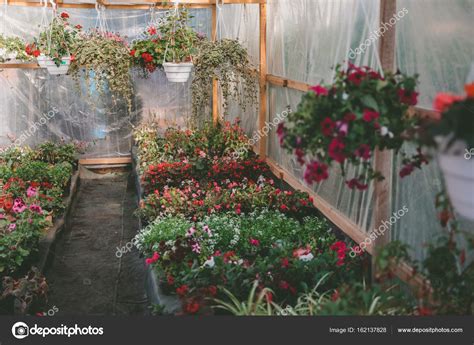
[347, 121]
[453, 137]
[149, 53]
[57, 41]
[227, 61]
[12, 48]
[106, 57]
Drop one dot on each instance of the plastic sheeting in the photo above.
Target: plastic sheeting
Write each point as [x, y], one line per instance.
[28, 96]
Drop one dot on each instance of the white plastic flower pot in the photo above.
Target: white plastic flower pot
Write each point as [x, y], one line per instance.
[178, 72]
[53, 69]
[42, 59]
[458, 171]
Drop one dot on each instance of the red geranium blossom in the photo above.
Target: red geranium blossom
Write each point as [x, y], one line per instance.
[355, 183]
[152, 30]
[192, 307]
[64, 15]
[182, 290]
[406, 170]
[327, 127]
[370, 115]
[285, 263]
[316, 171]
[336, 150]
[444, 100]
[408, 97]
[147, 57]
[319, 90]
[363, 152]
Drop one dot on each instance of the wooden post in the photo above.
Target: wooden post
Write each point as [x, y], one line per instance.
[383, 160]
[263, 78]
[215, 93]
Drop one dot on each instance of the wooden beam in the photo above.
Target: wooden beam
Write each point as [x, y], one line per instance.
[23, 65]
[262, 119]
[291, 84]
[335, 216]
[106, 161]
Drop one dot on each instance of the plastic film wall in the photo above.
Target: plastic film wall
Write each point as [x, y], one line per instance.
[305, 40]
[26, 96]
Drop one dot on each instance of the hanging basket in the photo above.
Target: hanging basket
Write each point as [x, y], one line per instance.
[62, 69]
[458, 174]
[178, 72]
[42, 60]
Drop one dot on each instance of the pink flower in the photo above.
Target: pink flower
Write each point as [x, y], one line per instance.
[36, 209]
[254, 242]
[190, 232]
[327, 127]
[342, 128]
[153, 259]
[196, 248]
[31, 192]
[12, 227]
[281, 132]
[319, 90]
[19, 206]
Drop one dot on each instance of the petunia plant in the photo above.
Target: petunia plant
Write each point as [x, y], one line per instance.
[345, 122]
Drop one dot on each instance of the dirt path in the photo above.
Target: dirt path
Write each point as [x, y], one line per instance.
[86, 277]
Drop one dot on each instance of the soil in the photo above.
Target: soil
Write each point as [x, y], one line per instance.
[86, 275]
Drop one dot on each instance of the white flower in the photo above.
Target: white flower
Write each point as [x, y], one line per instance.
[384, 131]
[307, 257]
[345, 96]
[210, 263]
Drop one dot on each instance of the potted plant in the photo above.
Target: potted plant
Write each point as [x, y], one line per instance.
[345, 122]
[12, 48]
[104, 56]
[453, 135]
[149, 52]
[55, 45]
[181, 41]
[227, 61]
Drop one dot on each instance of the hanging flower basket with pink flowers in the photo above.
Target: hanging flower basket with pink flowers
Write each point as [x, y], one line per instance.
[345, 122]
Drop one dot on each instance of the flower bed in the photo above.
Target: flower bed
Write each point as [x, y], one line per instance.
[217, 222]
[33, 184]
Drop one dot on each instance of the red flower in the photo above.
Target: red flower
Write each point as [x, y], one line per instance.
[284, 208]
[370, 115]
[335, 296]
[281, 132]
[147, 57]
[319, 90]
[269, 297]
[64, 15]
[284, 285]
[406, 170]
[192, 307]
[356, 77]
[336, 150]
[363, 152]
[254, 242]
[408, 97]
[170, 280]
[78, 27]
[182, 290]
[285, 263]
[349, 117]
[355, 183]
[327, 127]
[299, 155]
[152, 30]
[444, 100]
[341, 248]
[229, 256]
[424, 311]
[316, 171]
[36, 53]
[212, 290]
[153, 259]
[132, 53]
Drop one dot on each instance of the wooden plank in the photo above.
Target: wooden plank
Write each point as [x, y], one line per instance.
[383, 160]
[262, 119]
[335, 216]
[291, 84]
[24, 65]
[106, 161]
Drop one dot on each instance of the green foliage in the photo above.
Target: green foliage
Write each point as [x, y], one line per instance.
[227, 61]
[13, 45]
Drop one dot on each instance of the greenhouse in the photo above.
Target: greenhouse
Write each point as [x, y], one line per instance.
[236, 158]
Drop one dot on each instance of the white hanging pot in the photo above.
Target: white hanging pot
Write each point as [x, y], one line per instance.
[12, 56]
[178, 72]
[42, 60]
[63, 68]
[458, 171]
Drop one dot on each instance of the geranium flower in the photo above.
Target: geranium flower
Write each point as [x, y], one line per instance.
[31, 192]
[336, 150]
[319, 90]
[281, 132]
[284, 285]
[327, 127]
[12, 227]
[152, 30]
[192, 307]
[408, 97]
[316, 171]
[36, 209]
[78, 27]
[212, 290]
[469, 88]
[170, 279]
[406, 170]
[132, 53]
[349, 117]
[356, 77]
[355, 183]
[182, 290]
[196, 248]
[64, 15]
[147, 57]
[153, 259]
[19, 206]
[285, 263]
[363, 152]
[300, 155]
[370, 115]
[254, 242]
[190, 231]
[444, 100]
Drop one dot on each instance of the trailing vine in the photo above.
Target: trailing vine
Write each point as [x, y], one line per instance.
[227, 61]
